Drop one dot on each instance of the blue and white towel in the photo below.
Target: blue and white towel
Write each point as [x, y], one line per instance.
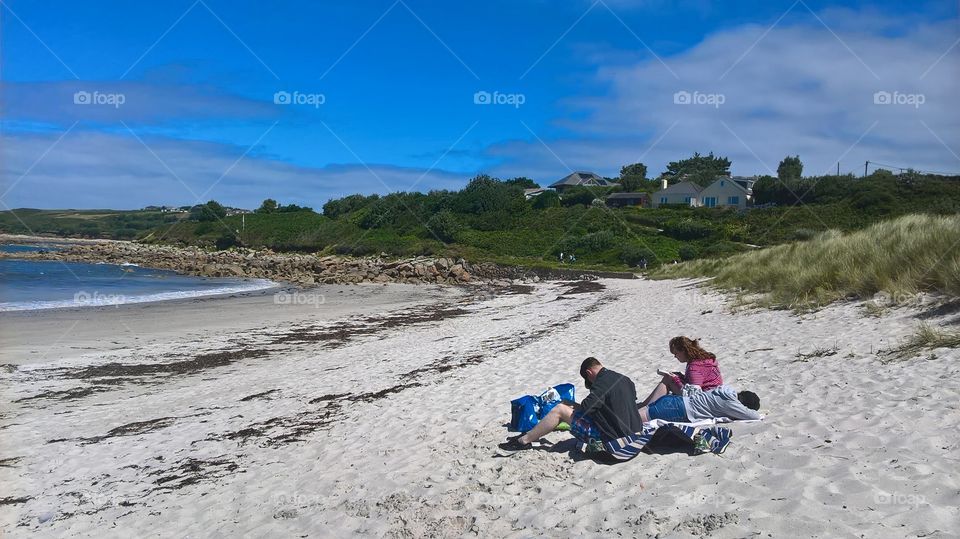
[704, 435]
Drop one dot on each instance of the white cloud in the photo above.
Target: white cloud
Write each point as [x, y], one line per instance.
[97, 170]
[799, 90]
[132, 102]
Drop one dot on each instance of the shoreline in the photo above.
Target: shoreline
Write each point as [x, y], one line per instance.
[131, 325]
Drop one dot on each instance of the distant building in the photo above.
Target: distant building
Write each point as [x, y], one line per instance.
[619, 200]
[588, 179]
[530, 193]
[685, 192]
[728, 192]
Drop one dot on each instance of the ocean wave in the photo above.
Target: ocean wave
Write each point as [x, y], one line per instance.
[109, 300]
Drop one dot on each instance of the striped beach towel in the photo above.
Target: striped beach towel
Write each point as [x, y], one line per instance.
[705, 439]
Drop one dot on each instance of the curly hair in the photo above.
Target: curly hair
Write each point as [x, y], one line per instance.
[691, 347]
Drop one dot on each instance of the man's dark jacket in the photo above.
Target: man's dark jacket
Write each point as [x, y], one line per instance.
[612, 405]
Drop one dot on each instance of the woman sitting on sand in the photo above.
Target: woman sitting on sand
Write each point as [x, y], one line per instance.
[702, 370]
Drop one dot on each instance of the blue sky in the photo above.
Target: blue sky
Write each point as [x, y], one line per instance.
[184, 93]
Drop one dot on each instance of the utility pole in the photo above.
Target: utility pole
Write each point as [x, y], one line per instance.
[865, 169]
[838, 168]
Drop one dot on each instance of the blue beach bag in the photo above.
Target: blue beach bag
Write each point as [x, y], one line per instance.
[527, 411]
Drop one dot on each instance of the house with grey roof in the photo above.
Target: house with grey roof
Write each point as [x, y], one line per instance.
[588, 179]
[685, 192]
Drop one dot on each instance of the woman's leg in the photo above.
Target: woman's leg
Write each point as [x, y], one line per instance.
[560, 412]
[657, 392]
[666, 386]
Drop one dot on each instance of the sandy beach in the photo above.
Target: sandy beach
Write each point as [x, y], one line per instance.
[378, 411]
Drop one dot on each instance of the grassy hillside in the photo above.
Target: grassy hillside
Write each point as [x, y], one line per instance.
[108, 224]
[900, 257]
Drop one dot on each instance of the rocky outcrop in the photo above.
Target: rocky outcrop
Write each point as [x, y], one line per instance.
[301, 269]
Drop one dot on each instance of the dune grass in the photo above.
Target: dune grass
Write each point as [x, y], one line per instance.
[900, 257]
[926, 337]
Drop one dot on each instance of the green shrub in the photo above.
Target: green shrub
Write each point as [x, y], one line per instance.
[444, 225]
[547, 199]
[688, 229]
[634, 254]
[721, 249]
[688, 252]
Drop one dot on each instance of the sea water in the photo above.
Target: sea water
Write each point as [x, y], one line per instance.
[47, 284]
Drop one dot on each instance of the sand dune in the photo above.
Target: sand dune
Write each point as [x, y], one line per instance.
[385, 422]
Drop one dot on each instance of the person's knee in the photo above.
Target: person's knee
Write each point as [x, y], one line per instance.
[644, 415]
[563, 411]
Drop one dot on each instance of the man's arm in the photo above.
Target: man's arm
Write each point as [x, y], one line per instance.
[592, 402]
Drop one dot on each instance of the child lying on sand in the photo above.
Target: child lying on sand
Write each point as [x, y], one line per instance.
[694, 406]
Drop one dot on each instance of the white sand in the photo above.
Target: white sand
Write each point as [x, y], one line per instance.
[851, 447]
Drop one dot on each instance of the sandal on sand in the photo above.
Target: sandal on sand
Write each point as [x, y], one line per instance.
[513, 443]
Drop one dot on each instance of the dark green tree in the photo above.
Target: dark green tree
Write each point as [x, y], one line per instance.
[487, 195]
[211, 211]
[444, 225]
[267, 206]
[579, 195]
[632, 177]
[700, 169]
[790, 168]
[336, 207]
[547, 199]
[522, 182]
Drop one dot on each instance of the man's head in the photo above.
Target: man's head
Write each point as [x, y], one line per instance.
[749, 399]
[589, 369]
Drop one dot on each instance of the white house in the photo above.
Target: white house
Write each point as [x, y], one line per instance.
[687, 193]
[728, 192]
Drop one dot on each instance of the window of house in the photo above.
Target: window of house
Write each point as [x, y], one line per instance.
[721, 183]
[663, 200]
[686, 200]
[710, 202]
[733, 201]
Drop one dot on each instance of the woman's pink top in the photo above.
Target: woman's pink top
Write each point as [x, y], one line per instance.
[702, 372]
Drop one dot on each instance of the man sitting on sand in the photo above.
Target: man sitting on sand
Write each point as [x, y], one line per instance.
[608, 413]
[721, 401]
